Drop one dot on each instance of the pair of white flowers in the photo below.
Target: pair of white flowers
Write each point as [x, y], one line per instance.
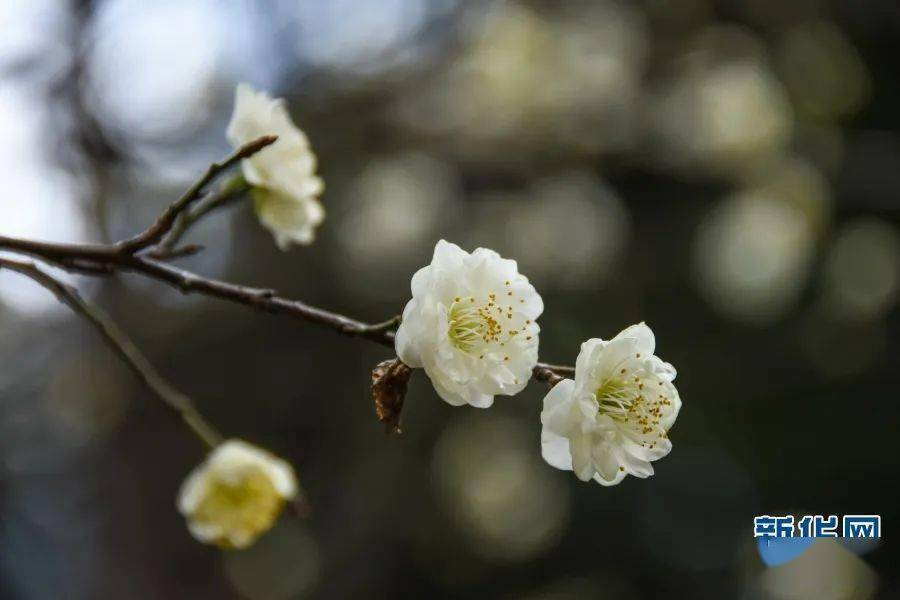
[471, 325]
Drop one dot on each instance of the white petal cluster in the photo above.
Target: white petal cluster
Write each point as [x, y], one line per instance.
[286, 188]
[236, 494]
[471, 324]
[613, 419]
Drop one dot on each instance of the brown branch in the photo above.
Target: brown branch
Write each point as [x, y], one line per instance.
[187, 282]
[122, 345]
[161, 239]
[558, 369]
[262, 299]
[546, 374]
[179, 252]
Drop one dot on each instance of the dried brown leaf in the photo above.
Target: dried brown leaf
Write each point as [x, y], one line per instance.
[389, 382]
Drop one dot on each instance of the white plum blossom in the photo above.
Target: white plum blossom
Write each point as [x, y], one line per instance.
[471, 324]
[236, 494]
[285, 186]
[613, 419]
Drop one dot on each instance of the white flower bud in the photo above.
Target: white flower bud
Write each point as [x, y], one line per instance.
[236, 495]
[283, 174]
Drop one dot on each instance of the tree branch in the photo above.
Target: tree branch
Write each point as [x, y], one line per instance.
[263, 299]
[161, 239]
[122, 345]
[187, 282]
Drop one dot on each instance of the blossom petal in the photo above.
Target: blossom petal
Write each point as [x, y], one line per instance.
[662, 369]
[403, 341]
[660, 448]
[607, 465]
[555, 450]
[645, 341]
[448, 256]
[617, 478]
[282, 476]
[288, 220]
[191, 491]
[637, 467]
[421, 281]
[531, 303]
[587, 357]
[582, 461]
[463, 395]
[555, 417]
[669, 416]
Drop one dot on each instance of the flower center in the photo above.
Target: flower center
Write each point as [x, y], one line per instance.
[636, 403]
[479, 326]
[250, 503]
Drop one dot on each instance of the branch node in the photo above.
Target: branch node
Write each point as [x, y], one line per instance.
[167, 219]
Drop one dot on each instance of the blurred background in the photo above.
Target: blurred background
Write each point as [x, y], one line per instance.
[727, 170]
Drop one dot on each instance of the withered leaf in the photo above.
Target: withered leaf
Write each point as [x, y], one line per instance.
[389, 382]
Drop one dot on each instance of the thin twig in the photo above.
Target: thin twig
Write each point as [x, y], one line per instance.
[84, 258]
[122, 345]
[384, 326]
[168, 247]
[158, 229]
